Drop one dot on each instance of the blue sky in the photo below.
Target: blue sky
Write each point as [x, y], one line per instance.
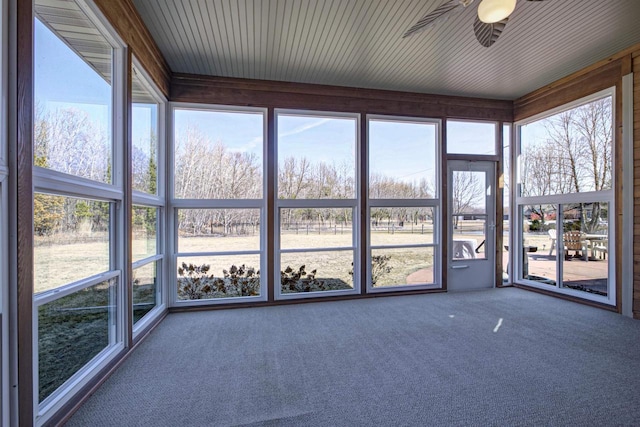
[63, 80]
[405, 151]
[471, 137]
[319, 139]
[241, 132]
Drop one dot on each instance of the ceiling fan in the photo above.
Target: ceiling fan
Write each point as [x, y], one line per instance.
[489, 23]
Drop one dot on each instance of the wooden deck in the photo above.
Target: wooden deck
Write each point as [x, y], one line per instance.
[590, 276]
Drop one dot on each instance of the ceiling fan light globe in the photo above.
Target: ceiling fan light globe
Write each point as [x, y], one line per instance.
[491, 11]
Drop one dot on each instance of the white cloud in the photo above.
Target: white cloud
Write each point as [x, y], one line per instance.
[303, 128]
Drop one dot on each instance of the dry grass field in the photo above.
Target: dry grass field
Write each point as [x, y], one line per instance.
[57, 264]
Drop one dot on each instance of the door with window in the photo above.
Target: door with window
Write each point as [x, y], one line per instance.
[471, 222]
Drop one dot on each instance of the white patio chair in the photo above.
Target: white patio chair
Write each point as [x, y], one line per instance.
[553, 236]
[600, 248]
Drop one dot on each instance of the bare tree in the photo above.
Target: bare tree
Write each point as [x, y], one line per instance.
[575, 157]
[68, 141]
[467, 193]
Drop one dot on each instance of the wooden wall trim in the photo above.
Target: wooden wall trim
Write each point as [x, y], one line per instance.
[267, 93]
[20, 124]
[570, 88]
[125, 19]
[636, 181]
[618, 179]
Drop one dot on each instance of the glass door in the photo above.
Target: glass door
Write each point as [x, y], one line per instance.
[471, 222]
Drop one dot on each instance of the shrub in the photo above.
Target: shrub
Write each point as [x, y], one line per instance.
[300, 281]
[194, 282]
[379, 267]
[238, 281]
[535, 225]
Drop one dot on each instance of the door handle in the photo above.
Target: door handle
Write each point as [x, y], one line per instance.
[459, 267]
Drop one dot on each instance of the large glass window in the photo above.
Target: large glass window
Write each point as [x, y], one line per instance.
[403, 198]
[317, 249]
[565, 182]
[73, 95]
[71, 240]
[316, 157]
[219, 253]
[568, 152]
[147, 182]
[476, 138]
[79, 238]
[72, 330]
[218, 154]
[317, 187]
[218, 208]
[144, 133]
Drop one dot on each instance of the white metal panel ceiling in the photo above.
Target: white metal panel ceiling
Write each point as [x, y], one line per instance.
[359, 43]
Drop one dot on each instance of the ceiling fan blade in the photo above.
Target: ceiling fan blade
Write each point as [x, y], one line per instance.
[487, 34]
[434, 15]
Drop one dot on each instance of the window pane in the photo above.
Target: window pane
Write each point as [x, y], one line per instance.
[145, 291]
[218, 154]
[539, 244]
[218, 277]
[144, 133]
[471, 138]
[402, 266]
[316, 228]
[570, 152]
[586, 242]
[218, 230]
[72, 330]
[469, 193]
[316, 157]
[401, 226]
[402, 160]
[145, 226]
[469, 204]
[73, 96]
[316, 271]
[71, 240]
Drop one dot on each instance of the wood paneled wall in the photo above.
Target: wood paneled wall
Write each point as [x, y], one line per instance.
[264, 93]
[20, 127]
[126, 20]
[636, 184]
[572, 87]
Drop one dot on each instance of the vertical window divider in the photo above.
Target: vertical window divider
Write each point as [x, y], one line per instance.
[127, 200]
[363, 178]
[270, 214]
[559, 245]
[443, 236]
[171, 225]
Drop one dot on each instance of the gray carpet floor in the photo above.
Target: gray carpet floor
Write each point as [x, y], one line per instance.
[440, 359]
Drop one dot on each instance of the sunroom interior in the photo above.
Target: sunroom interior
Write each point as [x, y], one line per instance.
[161, 157]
